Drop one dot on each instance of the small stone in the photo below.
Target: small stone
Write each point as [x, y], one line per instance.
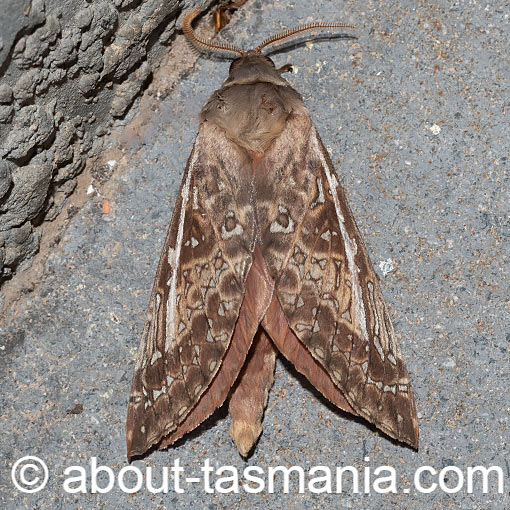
[435, 129]
[386, 267]
[450, 363]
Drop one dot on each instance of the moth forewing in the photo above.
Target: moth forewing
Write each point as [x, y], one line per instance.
[263, 255]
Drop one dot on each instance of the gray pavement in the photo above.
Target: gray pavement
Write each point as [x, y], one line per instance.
[416, 116]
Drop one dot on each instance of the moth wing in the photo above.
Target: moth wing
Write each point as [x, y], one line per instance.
[325, 282]
[197, 295]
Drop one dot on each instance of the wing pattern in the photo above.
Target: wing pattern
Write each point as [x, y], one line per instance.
[325, 282]
[198, 290]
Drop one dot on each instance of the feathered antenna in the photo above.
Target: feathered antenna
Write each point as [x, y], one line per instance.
[229, 50]
[225, 49]
[290, 33]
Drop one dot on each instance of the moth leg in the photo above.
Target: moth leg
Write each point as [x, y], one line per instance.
[287, 68]
[249, 397]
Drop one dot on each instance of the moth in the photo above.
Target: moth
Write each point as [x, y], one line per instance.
[263, 256]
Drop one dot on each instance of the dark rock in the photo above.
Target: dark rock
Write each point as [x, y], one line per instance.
[88, 83]
[167, 34]
[132, 36]
[105, 19]
[94, 57]
[87, 39]
[17, 235]
[58, 200]
[54, 77]
[63, 143]
[33, 125]
[30, 53]
[65, 52]
[5, 94]
[16, 19]
[5, 176]
[27, 197]
[91, 59]
[125, 4]
[6, 113]
[84, 18]
[126, 92]
[25, 87]
[21, 243]
[70, 170]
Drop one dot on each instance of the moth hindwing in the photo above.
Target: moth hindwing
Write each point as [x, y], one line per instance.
[262, 256]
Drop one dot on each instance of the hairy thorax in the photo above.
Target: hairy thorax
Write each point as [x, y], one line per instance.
[252, 115]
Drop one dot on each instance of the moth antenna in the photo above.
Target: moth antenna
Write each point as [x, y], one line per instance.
[225, 49]
[290, 33]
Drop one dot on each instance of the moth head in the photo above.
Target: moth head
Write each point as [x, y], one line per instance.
[255, 56]
[253, 67]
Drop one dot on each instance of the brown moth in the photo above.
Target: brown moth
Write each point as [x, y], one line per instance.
[262, 256]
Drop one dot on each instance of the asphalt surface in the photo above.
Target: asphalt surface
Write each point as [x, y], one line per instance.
[415, 114]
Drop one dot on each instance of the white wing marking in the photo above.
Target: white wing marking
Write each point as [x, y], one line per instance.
[170, 305]
[350, 244]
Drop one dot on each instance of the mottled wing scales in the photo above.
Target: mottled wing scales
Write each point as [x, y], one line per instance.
[198, 290]
[258, 293]
[325, 282]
